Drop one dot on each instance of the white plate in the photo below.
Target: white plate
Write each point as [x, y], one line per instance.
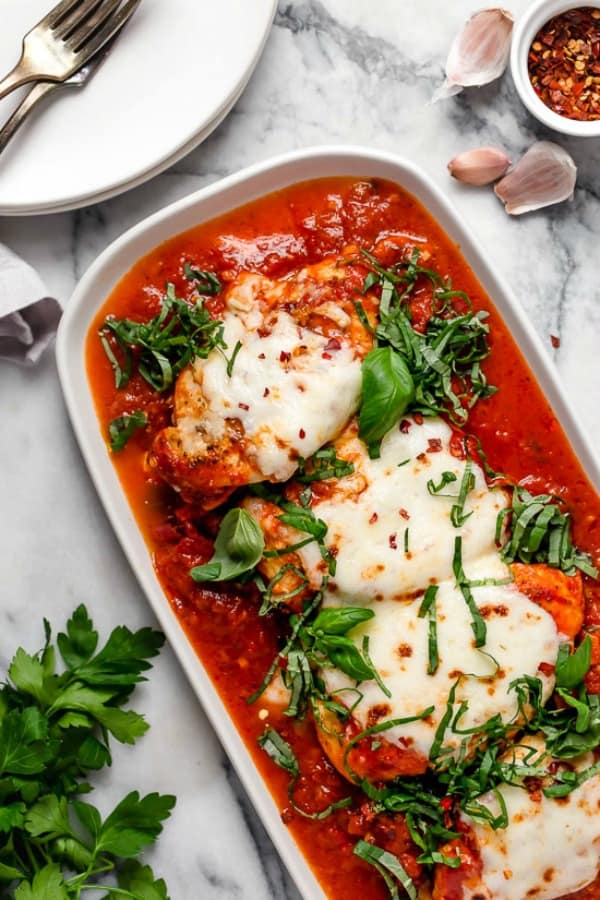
[172, 77]
[98, 282]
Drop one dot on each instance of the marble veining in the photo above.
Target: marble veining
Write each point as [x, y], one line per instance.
[346, 71]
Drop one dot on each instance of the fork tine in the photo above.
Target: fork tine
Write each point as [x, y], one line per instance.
[58, 12]
[68, 24]
[92, 42]
[92, 23]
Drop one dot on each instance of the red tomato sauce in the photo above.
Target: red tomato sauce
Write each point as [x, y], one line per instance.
[274, 235]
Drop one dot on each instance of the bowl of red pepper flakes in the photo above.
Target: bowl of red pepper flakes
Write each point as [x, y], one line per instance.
[555, 63]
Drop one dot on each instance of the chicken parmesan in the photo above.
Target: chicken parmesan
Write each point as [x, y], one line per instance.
[374, 532]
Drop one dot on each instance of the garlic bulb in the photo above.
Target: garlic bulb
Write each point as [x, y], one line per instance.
[479, 53]
[480, 166]
[545, 175]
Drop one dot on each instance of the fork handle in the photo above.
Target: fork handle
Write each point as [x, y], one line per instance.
[39, 90]
[21, 74]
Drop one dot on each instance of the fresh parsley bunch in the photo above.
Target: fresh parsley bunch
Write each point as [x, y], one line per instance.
[55, 727]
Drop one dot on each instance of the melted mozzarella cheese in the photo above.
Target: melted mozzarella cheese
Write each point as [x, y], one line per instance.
[291, 389]
[520, 636]
[368, 526]
[367, 515]
[551, 847]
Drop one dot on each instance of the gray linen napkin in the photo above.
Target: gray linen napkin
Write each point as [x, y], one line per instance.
[28, 316]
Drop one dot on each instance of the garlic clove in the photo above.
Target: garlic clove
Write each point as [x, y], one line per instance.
[479, 52]
[545, 175]
[480, 166]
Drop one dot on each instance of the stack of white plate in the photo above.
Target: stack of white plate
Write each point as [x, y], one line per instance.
[170, 79]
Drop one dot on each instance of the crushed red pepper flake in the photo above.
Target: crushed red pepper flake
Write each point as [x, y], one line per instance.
[555, 341]
[564, 63]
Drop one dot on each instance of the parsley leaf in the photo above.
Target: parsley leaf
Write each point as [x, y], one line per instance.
[133, 824]
[140, 881]
[80, 641]
[55, 726]
[47, 883]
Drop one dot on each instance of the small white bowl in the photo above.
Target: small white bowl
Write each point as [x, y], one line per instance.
[525, 31]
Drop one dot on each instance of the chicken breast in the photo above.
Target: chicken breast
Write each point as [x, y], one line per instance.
[292, 386]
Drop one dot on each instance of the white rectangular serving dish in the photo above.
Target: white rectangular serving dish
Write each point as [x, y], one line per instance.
[119, 257]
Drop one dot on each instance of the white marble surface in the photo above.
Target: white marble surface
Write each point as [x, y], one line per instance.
[348, 71]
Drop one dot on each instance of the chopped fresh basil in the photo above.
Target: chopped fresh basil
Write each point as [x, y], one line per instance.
[567, 780]
[445, 360]
[296, 622]
[279, 750]
[282, 754]
[567, 730]
[267, 589]
[387, 391]
[122, 373]
[446, 478]
[323, 465]
[428, 607]
[457, 513]
[541, 532]
[207, 282]
[319, 639]
[123, 427]
[238, 548]
[478, 622]
[387, 865]
[377, 677]
[163, 346]
[232, 358]
[362, 315]
[302, 518]
[378, 729]
[440, 732]
[467, 483]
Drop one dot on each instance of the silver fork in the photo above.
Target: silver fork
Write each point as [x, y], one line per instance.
[78, 80]
[64, 40]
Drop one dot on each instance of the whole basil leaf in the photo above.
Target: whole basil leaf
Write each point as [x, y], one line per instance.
[238, 548]
[344, 655]
[571, 668]
[341, 620]
[388, 390]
